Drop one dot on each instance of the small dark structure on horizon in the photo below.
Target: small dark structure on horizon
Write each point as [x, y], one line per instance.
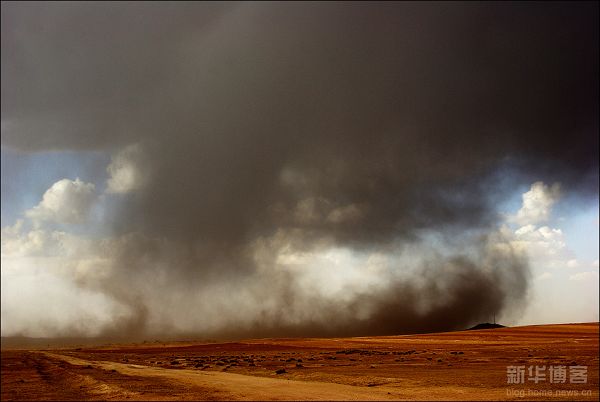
[487, 325]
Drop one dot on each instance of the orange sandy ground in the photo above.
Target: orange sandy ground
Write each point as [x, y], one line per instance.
[409, 367]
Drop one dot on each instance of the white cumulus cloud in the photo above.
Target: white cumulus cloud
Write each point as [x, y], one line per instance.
[18, 243]
[537, 204]
[66, 201]
[573, 263]
[545, 246]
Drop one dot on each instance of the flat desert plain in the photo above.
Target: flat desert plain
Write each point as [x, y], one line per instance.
[464, 365]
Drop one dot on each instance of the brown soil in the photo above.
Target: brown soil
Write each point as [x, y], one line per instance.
[467, 365]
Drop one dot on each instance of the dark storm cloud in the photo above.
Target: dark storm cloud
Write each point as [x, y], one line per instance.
[353, 124]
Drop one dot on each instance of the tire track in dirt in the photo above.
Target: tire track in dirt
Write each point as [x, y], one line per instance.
[43, 377]
[28, 375]
[243, 387]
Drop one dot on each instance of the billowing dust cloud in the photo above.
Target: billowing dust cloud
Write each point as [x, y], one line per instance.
[307, 169]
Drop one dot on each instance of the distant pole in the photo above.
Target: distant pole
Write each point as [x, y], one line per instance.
[494, 318]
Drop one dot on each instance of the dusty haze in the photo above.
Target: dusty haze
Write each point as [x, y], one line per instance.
[251, 139]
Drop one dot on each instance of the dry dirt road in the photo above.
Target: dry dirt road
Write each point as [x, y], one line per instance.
[466, 365]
